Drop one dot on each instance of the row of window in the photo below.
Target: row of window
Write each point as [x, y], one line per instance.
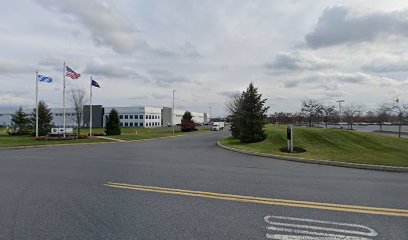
[66, 114]
[125, 116]
[131, 124]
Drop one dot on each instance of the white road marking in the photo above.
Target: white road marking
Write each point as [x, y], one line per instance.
[293, 237]
[333, 236]
[295, 229]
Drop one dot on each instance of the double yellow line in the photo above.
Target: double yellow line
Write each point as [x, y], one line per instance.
[260, 200]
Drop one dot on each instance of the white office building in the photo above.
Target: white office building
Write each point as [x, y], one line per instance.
[141, 116]
[136, 116]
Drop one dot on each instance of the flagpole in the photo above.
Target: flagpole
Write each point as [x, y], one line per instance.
[63, 96]
[90, 110]
[36, 103]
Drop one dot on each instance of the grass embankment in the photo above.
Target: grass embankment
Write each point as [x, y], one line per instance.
[128, 134]
[333, 144]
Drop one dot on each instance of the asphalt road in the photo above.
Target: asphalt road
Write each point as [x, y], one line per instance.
[63, 193]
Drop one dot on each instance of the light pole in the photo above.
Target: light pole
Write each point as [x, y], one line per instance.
[209, 117]
[340, 101]
[172, 113]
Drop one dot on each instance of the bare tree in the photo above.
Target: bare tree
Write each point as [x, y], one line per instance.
[233, 106]
[233, 103]
[312, 110]
[381, 113]
[77, 101]
[401, 110]
[350, 112]
[329, 113]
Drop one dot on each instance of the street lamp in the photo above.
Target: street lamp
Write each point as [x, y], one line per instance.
[209, 117]
[172, 113]
[340, 101]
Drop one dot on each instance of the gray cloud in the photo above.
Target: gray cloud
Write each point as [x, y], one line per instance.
[159, 96]
[165, 78]
[291, 83]
[139, 98]
[106, 25]
[298, 60]
[14, 93]
[332, 80]
[388, 63]
[52, 63]
[229, 94]
[100, 68]
[187, 50]
[14, 67]
[280, 98]
[338, 25]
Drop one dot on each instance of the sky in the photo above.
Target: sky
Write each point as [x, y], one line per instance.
[140, 50]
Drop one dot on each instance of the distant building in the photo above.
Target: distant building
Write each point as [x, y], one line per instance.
[140, 116]
[136, 116]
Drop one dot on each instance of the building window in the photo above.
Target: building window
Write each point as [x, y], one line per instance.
[126, 124]
[121, 116]
[136, 116]
[140, 124]
[131, 124]
[158, 117]
[126, 116]
[121, 124]
[130, 116]
[141, 116]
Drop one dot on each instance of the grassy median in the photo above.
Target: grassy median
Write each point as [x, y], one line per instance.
[333, 144]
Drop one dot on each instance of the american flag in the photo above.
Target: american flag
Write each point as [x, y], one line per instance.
[70, 73]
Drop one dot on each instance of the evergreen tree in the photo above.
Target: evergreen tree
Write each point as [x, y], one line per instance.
[250, 116]
[20, 123]
[113, 124]
[187, 124]
[187, 116]
[44, 119]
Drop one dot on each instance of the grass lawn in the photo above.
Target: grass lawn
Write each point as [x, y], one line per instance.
[333, 144]
[14, 141]
[141, 131]
[127, 135]
[144, 133]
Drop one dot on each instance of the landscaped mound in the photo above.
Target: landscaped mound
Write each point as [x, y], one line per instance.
[333, 144]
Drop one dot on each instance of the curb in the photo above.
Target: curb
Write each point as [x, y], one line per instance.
[316, 161]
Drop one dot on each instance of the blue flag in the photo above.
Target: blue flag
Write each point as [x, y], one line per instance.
[42, 78]
[95, 83]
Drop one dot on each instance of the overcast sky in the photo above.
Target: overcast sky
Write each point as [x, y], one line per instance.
[139, 51]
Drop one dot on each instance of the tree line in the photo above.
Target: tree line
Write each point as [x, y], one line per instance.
[248, 114]
[313, 112]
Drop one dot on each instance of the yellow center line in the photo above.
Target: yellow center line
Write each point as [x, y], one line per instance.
[264, 199]
[269, 201]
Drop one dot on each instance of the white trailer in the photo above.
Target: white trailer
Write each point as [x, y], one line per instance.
[217, 126]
